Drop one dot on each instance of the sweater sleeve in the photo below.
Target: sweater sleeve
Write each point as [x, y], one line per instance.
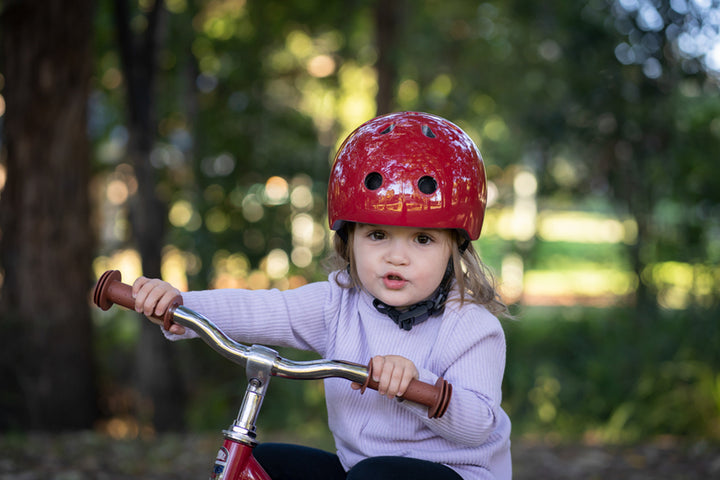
[473, 358]
[293, 318]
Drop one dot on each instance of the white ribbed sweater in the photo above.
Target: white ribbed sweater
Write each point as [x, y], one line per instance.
[465, 346]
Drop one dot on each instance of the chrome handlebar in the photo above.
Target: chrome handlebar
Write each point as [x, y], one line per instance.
[281, 367]
[110, 290]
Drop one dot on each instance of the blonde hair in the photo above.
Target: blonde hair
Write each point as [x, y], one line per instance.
[474, 280]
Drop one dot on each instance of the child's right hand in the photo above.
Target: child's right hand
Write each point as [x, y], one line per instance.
[393, 374]
[153, 297]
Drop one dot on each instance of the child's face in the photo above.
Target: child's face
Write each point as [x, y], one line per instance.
[400, 266]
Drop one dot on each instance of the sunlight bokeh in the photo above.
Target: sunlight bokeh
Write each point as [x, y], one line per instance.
[127, 261]
[579, 282]
[583, 227]
[276, 191]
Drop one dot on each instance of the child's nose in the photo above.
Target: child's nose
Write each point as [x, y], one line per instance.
[397, 254]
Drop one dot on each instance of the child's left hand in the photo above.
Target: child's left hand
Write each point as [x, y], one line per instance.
[153, 297]
[393, 374]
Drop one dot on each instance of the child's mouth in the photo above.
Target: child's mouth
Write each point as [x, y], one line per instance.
[394, 281]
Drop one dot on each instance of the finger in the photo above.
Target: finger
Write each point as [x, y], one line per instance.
[387, 379]
[155, 295]
[141, 294]
[137, 285]
[396, 379]
[165, 301]
[146, 297]
[407, 377]
[177, 329]
[149, 298]
[377, 364]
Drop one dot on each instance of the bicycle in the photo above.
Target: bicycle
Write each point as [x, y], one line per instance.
[235, 460]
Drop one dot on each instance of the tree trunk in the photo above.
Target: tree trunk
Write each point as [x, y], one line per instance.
[387, 20]
[46, 364]
[158, 378]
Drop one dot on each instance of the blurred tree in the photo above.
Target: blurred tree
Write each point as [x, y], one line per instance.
[204, 134]
[46, 365]
[157, 372]
[235, 82]
[388, 19]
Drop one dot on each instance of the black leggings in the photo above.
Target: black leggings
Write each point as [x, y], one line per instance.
[293, 462]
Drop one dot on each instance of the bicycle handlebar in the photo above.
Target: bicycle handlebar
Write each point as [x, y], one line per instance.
[110, 290]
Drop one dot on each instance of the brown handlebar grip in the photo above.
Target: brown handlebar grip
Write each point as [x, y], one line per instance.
[110, 290]
[435, 397]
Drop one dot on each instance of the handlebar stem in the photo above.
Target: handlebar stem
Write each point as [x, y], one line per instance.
[259, 372]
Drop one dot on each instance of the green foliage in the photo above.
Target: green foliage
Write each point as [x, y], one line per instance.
[591, 372]
[567, 256]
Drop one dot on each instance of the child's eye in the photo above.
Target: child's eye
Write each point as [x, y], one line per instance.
[423, 239]
[377, 235]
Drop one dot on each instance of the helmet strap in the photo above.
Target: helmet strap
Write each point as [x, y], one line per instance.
[421, 311]
[342, 233]
[463, 246]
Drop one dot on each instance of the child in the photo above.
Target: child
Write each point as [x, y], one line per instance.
[406, 197]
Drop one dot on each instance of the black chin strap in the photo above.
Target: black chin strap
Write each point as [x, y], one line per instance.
[421, 311]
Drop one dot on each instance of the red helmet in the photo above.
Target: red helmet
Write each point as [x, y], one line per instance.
[408, 169]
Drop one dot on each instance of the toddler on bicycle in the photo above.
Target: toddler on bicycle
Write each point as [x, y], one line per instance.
[406, 197]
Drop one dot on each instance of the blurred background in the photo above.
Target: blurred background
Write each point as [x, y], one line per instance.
[192, 140]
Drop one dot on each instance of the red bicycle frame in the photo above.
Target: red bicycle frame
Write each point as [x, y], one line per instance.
[235, 461]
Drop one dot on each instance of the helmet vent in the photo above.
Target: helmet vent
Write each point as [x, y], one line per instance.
[427, 132]
[388, 129]
[373, 180]
[427, 184]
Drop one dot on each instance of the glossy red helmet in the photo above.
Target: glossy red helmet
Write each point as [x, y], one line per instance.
[408, 169]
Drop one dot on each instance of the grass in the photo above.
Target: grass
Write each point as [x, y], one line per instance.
[602, 373]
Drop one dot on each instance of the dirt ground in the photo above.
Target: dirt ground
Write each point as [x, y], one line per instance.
[87, 456]
[652, 461]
